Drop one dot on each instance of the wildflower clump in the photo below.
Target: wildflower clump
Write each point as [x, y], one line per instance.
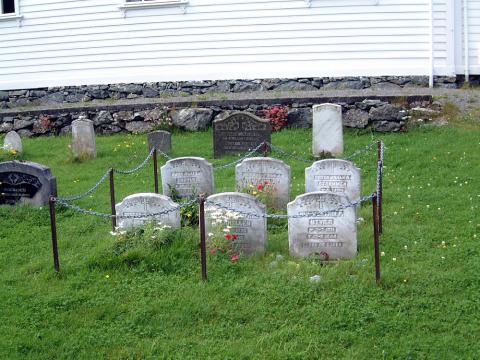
[221, 241]
[264, 191]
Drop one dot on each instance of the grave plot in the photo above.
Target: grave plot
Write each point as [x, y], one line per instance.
[266, 178]
[322, 224]
[187, 176]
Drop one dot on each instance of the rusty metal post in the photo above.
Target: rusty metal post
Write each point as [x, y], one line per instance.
[380, 187]
[265, 149]
[155, 170]
[112, 201]
[376, 237]
[203, 240]
[53, 226]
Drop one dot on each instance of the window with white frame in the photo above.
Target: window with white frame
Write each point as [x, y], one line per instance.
[8, 7]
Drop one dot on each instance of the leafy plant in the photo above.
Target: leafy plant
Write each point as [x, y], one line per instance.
[188, 213]
[264, 191]
[221, 241]
[277, 116]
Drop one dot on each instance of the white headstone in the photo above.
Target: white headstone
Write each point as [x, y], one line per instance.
[332, 235]
[250, 228]
[266, 176]
[147, 205]
[13, 142]
[83, 139]
[336, 176]
[188, 176]
[327, 129]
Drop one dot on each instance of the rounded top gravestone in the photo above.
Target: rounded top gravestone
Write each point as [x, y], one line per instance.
[246, 220]
[83, 139]
[238, 133]
[138, 209]
[13, 142]
[187, 176]
[26, 183]
[325, 225]
[327, 129]
[268, 177]
[337, 176]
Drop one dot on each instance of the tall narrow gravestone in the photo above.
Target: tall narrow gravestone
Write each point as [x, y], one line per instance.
[187, 176]
[238, 133]
[26, 183]
[160, 140]
[332, 235]
[142, 208]
[327, 129]
[83, 139]
[268, 178]
[249, 224]
[336, 176]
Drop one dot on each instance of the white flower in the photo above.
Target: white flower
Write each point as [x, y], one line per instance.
[113, 233]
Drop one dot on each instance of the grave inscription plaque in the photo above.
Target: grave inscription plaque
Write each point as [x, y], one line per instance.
[239, 133]
[332, 235]
[188, 176]
[26, 182]
[268, 176]
[145, 205]
[341, 177]
[250, 230]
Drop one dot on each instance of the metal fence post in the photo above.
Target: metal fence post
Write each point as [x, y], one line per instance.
[265, 149]
[53, 226]
[376, 237]
[112, 201]
[380, 187]
[203, 246]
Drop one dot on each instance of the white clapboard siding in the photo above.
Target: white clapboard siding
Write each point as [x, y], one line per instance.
[72, 42]
[474, 35]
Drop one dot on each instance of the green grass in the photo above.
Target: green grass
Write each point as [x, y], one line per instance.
[152, 304]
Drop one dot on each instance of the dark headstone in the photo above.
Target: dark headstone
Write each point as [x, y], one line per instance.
[239, 133]
[160, 140]
[26, 183]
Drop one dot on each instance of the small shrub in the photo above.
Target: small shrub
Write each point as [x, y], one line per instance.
[188, 213]
[277, 117]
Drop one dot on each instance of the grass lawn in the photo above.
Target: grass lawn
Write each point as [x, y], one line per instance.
[152, 304]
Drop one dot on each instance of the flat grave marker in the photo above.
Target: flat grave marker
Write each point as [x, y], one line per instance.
[262, 174]
[341, 177]
[238, 133]
[188, 176]
[26, 183]
[327, 129]
[145, 205]
[332, 236]
[251, 230]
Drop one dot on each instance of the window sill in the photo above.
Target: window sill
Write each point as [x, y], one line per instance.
[152, 4]
[7, 17]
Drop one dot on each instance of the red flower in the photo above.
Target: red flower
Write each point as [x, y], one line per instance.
[260, 187]
[213, 251]
[235, 237]
[229, 237]
[235, 258]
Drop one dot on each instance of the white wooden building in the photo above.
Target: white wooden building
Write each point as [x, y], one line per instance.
[74, 42]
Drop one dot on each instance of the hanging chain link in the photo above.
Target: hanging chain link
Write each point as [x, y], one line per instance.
[360, 152]
[286, 216]
[135, 169]
[283, 152]
[109, 216]
[88, 192]
[247, 155]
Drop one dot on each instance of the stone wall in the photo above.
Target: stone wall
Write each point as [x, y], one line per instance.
[358, 112]
[85, 94]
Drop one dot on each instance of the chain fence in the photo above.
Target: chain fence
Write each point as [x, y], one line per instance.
[286, 216]
[139, 167]
[83, 211]
[246, 156]
[88, 192]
